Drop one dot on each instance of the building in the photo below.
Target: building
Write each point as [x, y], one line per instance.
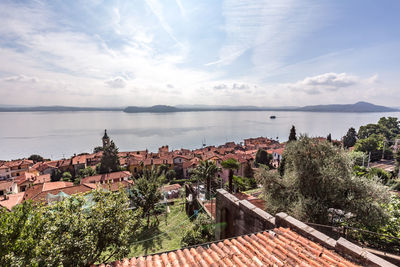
[112, 177]
[5, 172]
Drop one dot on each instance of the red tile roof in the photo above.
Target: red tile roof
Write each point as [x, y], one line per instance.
[105, 177]
[12, 200]
[5, 185]
[280, 247]
[56, 185]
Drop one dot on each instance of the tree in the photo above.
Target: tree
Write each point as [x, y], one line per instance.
[97, 149]
[292, 135]
[109, 161]
[373, 143]
[88, 171]
[20, 231]
[350, 138]
[317, 181]
[202, 231]
[170, 175]
[163, 169]
[368, 130]
[78, 231]
[36, 158]
[66, 177]
[230, 164]
[81, 233]
[146, 192]
[248, 171]
[262, 157]
[390, 127]
[329, 138]
[206, 171]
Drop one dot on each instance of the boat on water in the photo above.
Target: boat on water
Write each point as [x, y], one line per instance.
[272, 117]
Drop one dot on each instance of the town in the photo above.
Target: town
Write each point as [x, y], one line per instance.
[26, 179]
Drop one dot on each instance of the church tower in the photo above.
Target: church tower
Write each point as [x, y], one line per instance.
[106, 139]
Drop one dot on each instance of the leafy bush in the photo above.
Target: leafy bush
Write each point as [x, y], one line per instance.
[203, 231]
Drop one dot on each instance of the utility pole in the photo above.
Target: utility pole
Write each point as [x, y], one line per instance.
[383, 152]
[363, 159]
[369, 159]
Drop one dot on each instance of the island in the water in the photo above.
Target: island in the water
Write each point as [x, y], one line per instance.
[357, 107]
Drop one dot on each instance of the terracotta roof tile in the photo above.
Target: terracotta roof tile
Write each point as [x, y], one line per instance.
[280, 247]
[56, 185]
[12, 200]
[106, 177]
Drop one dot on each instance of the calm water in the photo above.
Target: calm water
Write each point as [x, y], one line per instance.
[58, 135]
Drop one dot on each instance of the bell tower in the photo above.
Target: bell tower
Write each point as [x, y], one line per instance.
[106, 139]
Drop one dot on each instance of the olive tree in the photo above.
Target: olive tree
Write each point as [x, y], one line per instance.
[318, 179]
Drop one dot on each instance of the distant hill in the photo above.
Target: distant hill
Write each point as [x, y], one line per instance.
[55, 109]
[357, 107]
[153, 109]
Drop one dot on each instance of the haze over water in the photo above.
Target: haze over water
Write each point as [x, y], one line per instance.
[61, 134]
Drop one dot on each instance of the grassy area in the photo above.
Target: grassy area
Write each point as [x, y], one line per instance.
[166, 236]
[252, 191]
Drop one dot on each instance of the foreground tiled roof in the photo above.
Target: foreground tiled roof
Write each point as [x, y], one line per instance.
[280, 247]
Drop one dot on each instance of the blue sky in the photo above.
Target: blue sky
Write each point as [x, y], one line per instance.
[250, 52]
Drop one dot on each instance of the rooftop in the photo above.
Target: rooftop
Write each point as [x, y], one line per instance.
[277, 247]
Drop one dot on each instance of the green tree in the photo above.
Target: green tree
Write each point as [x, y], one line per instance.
[97, 149]
[329, 138]
[170, 175]
[368, 130]
[318, 178]
[146, 192]
[80, 234]
[350, 138]
[230, 164]
[202, 231]
[163, 169]
[248, 171]
[262, 157]
[20, 231]
[88, 171]
[373, 143]
[78, 231]
[36, 158]
[292, 135]
[206, 172]
[66, 177]
[109, 160]
[390, 127]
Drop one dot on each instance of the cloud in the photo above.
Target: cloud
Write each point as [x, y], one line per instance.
[21, 78]
[325, 82]
[233, 87]
[220, 87]
[170, 86]
[236, 86]
[117, 82]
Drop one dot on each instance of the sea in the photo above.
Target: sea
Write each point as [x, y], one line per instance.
[59, 135]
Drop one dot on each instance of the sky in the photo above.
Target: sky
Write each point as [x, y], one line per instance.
[247, 52]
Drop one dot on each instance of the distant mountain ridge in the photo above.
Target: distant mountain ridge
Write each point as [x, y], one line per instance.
[55, 109]
[357, 107]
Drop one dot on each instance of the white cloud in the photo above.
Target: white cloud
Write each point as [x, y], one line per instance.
[117, 82]
[325, 82]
